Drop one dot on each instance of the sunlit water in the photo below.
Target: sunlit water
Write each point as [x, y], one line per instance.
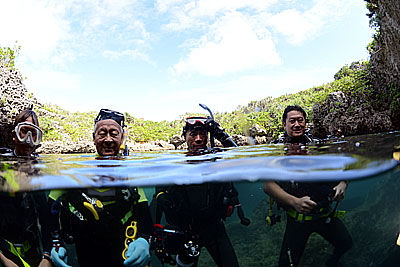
[372, 200]
[350, 158]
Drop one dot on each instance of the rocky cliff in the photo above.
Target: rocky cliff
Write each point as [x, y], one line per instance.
[14, 98]
[375, 105]
[385, 53]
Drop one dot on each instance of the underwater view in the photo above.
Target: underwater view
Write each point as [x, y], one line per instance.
[367, 162]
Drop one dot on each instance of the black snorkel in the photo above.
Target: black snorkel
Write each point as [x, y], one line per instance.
[216, 131]
[212, 141]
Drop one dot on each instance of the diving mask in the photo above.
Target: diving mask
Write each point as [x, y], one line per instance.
[110, 114]
[28, 133]
[195, 120]
[192, 123]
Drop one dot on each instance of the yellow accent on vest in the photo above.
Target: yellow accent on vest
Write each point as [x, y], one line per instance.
[17, 251]
[300, 217]
[9, 175]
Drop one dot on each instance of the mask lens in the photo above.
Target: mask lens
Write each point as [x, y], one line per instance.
[193, 121]
[29, 133]
[24, 130]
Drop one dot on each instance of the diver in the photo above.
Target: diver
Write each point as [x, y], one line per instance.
[109, 226]
[200, 209]
[22, 242]
[308, 205]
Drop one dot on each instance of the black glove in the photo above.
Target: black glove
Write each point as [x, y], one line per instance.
[218, 132]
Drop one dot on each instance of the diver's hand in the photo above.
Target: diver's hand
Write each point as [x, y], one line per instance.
[6, 262]
[340, 189]
[45, 263]
[59, 258]
[138, 253]
[303, 204]
[214, 128]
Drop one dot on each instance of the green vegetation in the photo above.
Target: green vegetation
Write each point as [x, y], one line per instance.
[8, 55]
[353, 80]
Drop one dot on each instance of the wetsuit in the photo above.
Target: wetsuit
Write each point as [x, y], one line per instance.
[20, 237]
[19, 230]
[199, 209]
[101, 242]
[299, 229]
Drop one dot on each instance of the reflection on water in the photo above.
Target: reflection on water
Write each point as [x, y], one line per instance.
[372, 205]
[350, 158]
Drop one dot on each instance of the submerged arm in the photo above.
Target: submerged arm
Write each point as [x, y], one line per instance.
[302, 205]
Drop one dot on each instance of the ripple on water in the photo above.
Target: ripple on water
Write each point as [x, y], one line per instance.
[339, 159]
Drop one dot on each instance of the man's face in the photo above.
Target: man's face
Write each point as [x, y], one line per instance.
[196, 139]
[107, 137]
[295, 124]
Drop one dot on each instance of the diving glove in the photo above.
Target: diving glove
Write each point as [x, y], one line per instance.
[138, 253]
[60, 257]
[218, 132]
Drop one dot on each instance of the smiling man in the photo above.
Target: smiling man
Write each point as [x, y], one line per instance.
[107, 137]
[112, 222]
[307, 205]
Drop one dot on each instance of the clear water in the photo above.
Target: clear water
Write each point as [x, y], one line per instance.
[372, 199]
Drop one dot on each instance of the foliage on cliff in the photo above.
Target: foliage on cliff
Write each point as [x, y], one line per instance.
[8, 55]
[59, 124]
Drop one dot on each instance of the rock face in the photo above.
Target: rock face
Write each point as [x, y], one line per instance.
[385, 59]
[69, 147]
[177, 140]
[340, 115]
[14, 98]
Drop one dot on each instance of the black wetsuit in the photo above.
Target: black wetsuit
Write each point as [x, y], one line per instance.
[101, 242]
[18, 225]
[20, 213]
[297, 233]
[199, 210]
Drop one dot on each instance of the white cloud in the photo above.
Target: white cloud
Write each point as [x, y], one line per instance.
[132, 53]
[38, 28]
[232, 44]
[300, 26]
[196, 13]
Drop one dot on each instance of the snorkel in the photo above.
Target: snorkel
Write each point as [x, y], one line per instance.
[216, 131]
[212, 141]
[124, 146]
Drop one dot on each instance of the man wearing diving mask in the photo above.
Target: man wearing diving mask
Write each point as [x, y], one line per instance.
[109, 226]
[200, 209]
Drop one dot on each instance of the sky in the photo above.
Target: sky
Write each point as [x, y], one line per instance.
[159, 59]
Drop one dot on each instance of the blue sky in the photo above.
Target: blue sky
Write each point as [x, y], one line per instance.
[158, 59]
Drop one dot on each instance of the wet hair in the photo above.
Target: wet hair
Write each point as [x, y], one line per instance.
[293, 108]
[24, 115]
